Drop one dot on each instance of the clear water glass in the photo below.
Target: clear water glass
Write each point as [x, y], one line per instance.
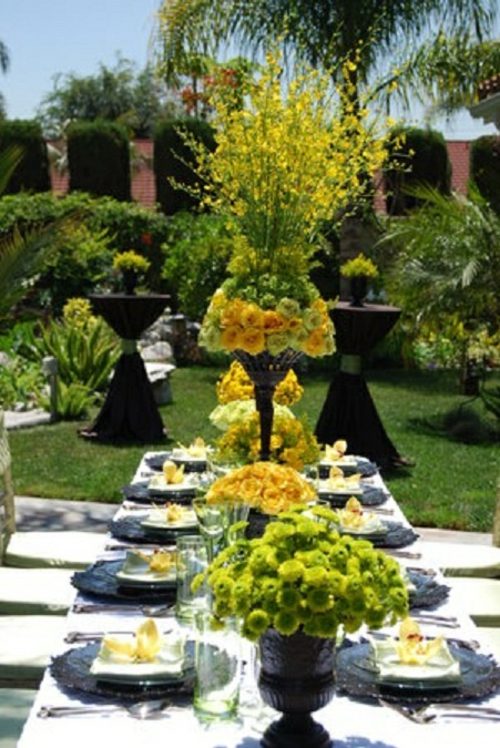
[218, 668]
[191, 560]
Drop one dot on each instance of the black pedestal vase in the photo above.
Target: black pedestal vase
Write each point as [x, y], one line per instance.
[266, 372]
[296, 678]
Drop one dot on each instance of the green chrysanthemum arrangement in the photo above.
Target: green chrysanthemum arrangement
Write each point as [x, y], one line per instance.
[302, 575]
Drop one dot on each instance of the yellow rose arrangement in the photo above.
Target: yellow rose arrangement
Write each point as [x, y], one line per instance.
[235, 384]
[235, 324]
[265, 486]
[292, 442]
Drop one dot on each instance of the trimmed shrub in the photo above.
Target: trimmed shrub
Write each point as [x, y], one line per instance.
[83, 261]
[484, 159]
[99, 159]
[32, 173]
[422, 158]
[172, 160]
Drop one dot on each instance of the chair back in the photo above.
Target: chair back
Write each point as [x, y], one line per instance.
[7, 509]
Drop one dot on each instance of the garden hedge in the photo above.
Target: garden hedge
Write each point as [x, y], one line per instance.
[484, 160]
[173, 158]
[32, 173]
[422, 158]
[99, 159]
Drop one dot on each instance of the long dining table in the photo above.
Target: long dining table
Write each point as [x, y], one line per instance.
[351, 722]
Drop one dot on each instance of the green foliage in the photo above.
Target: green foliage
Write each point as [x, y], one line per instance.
[32, 171]
[449, 262]
[106, 224]
[99, 158]
[73, 401]
[197, 251]
[421, 157]
[302, 575]
[485, 168]
[119, 94]
[21, 381]
[174, 160]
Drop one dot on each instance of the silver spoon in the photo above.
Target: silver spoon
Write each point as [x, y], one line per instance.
[140, 710]
[73, 637]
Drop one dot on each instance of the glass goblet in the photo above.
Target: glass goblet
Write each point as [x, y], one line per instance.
[211, 521]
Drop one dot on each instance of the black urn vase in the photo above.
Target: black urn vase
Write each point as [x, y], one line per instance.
[296, 678]
[359, 288]
[266, 372]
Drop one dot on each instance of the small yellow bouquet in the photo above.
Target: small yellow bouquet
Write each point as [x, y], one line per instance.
[265, 486]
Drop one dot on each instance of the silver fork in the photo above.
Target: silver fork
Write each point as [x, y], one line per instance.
[432, 712]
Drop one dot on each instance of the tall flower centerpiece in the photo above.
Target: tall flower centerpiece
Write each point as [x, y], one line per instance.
[285, 161]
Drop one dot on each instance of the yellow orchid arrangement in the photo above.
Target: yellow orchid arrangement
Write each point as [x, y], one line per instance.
[288, 160]
[265, 486]
[292, 442]
[235, 384]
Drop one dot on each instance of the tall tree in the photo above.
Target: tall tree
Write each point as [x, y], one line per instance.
[365, 33]
[119, 94]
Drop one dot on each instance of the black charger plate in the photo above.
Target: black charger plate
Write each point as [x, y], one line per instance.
[130, 528]
[72, 671]
[100, 580]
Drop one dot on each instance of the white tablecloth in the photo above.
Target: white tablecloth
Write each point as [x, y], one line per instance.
[351, 724]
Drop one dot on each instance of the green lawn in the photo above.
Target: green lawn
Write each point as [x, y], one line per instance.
[452, 485]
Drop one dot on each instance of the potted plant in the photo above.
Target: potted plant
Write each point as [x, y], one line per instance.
[293, 589]
[131, 266]
[359, 269]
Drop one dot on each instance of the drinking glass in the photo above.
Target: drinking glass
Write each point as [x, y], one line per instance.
[212, 522]
[191, 560]
[218, 668]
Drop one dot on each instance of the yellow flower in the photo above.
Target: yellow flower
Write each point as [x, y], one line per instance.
[315, 343]
[274, 322]
[231, 337]
[251, 316]
[252, 340]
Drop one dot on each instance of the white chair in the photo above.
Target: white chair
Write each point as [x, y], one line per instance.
[26, 645]
[463, 560]
[62, 549]
[479, 598]
[15, 705]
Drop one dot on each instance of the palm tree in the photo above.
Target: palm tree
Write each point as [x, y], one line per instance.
[448, 261]
[4, 66]
[363, 33]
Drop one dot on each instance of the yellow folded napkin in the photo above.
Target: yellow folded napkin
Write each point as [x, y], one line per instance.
[354, 520]
[412, 657]
[144, 654]
[172, 473]
[170, 515]
[160, 563]
[198, 450]
[338, 482]
[337, 453]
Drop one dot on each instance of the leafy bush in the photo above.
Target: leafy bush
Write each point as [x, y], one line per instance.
[32, 173]
[173, 159]
[421, 158]
[485, 167]
[21, 381]
[99, 158]
[197, 252]
[73, 401]
[105, 224]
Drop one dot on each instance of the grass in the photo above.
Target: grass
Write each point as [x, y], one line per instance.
[452, 486]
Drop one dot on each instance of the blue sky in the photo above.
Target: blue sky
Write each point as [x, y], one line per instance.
[46, 37]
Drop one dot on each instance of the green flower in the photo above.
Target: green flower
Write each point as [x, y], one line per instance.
[257, 622]
[288, 308]
[289, 598]
[291, 571]
[319, 599]
[286, 622]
